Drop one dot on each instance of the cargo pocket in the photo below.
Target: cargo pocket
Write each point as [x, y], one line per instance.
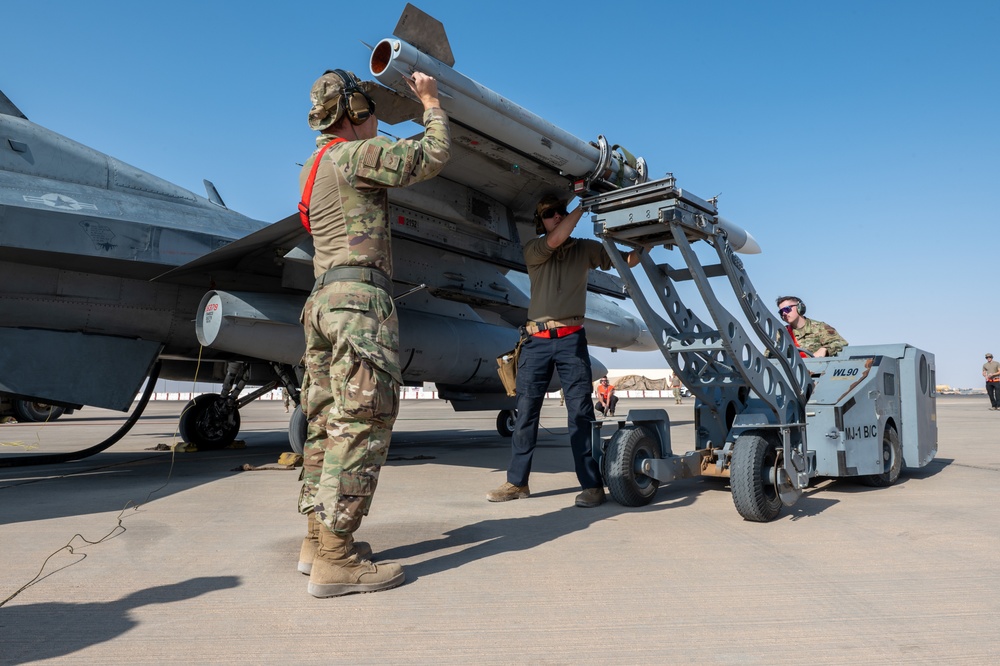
[357, 484]
[371, 393]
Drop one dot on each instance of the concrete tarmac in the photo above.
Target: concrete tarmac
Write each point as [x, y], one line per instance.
[150, 557]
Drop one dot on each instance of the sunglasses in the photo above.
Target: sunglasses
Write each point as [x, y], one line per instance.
[551, 212]
[785, 310]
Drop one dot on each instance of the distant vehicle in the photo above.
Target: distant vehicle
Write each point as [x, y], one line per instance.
[31, 411]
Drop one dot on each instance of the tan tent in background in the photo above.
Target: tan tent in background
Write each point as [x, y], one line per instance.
[638, 383]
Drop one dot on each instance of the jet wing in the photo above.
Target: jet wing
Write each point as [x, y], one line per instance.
[261, 253]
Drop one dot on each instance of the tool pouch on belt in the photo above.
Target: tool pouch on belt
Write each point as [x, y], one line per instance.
[507, 366]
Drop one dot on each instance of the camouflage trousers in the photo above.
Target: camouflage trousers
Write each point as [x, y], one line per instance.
[350, 396]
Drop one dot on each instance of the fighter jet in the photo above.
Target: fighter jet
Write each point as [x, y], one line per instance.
[103, 266]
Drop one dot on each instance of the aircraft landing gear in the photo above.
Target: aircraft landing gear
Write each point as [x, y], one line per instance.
[505, 422]
[210, 422]
[297, 426]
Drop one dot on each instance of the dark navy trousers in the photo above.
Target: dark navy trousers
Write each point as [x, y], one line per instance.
[540, 357]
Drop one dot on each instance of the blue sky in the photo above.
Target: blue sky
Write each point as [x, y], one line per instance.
[857, 141]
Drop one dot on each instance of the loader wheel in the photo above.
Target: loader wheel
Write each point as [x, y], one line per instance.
[892, 461]
[750, 472]
[629, 446]
[206, 424]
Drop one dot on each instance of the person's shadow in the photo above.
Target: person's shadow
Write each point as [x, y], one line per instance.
[52, 629]
[501, 535]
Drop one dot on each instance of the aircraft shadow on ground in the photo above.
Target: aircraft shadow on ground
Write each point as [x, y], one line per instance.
[109, 481]
[34, 632]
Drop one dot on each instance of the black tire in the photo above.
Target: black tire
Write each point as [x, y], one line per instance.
[206, 427]
[38, 412]
[892, 461]
[754, 494]
[298, 426]
[505, 422]
[628, 447]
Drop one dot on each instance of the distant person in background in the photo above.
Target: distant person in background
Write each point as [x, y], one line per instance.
[816, 337]
[675, 384]
[285, 399]
[606, 398]
[991, 372]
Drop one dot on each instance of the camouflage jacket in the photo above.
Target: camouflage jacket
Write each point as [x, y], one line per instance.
[350, 206]
[816, 334]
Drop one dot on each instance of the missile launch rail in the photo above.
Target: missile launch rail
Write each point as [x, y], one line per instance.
[769, 420]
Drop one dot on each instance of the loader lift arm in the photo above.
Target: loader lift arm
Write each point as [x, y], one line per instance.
[718, 362]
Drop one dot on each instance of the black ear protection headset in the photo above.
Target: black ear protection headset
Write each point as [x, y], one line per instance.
[800, 307]
[358, 106]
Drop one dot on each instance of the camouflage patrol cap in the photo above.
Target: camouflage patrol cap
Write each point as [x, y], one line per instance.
[327, 95]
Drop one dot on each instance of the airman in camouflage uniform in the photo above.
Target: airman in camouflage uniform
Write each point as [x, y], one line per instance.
[816, 337]
[350, 392]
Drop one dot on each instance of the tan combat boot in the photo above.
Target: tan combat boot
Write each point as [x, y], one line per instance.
[337, 570]
[307, 553]
[508, 491]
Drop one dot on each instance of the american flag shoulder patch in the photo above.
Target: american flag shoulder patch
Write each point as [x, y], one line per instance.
[370, 158]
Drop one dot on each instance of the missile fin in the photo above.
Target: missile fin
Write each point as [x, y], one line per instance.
[424, 32]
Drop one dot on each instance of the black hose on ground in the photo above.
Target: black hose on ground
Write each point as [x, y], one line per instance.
[53, 458]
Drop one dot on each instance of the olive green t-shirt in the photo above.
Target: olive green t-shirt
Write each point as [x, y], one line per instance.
[559, 277]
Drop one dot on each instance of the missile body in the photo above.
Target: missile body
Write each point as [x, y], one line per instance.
[467, 102]
[478, 107]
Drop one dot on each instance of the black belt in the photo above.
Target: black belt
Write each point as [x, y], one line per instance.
[364, 274]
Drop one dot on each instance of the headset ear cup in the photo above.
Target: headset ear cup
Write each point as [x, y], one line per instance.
[800, 307]
[358, 109]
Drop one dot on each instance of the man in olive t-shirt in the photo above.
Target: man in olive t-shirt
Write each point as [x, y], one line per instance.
[557, 268]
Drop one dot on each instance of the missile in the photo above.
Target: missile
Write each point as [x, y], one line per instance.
[392, 62]
[739, 238]
[469, 103]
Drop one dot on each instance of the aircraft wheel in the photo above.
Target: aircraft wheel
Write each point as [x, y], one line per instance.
[206, 424]
[505, 422]
[39, 412]
[892, 461]
[297, 430]
[755, 458]
[628, 447]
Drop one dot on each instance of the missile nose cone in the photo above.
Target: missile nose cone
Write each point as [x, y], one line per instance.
[750, 246]
[739, 238]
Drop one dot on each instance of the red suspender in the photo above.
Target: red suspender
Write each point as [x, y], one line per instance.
[795, 340]
[308, 191]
